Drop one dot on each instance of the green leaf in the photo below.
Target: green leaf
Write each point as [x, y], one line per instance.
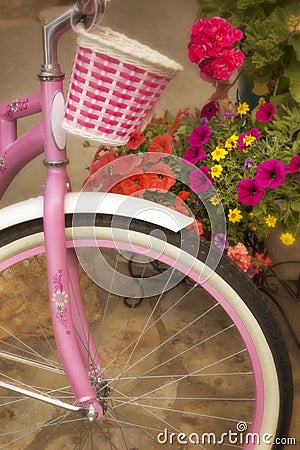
[294, 41]
[293, 73]
[295, 206]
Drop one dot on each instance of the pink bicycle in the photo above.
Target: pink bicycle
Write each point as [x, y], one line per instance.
[202, 364]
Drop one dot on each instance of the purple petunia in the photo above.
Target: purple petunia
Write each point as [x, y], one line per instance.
[248, 163]
[200, 179]
[249, 191]
[294, 165]
[199, 136]
[270, 174]
[265, 112]
[194, 155]
[221, 242]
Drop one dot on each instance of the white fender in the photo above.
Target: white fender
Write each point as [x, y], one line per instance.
[95, 202]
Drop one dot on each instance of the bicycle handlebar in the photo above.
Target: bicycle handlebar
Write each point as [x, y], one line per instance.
[89, 12]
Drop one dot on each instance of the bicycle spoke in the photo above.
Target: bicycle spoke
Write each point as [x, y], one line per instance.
[175, 364]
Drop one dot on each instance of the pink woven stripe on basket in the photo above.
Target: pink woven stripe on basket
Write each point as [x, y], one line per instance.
[109, 98]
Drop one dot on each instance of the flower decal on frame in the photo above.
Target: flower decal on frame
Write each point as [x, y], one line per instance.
[60, 300]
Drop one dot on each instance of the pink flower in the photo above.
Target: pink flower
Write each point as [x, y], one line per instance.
[210, 47]
[206, 69]
[294, 165]
[197, 50]
[270, 174]
[249, 191]
[194, 155]
[200, 179]
[214, 34]
[222, 66]
[222, 33]
[226, 62]
[240, 255]
[199, 136]
[267, 261]
[265, 112]
[237, 251]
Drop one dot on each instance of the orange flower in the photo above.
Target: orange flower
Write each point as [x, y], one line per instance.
[196, 227]
[180, 207]
[161, 177]
[183, 195]
[176, 122]
[136, 182]
[159, 145]
[101, 161]
[135, 140]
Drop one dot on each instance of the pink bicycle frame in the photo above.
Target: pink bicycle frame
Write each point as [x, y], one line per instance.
[65, 299]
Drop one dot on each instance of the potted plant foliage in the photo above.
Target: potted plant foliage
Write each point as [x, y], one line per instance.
[271, 42]
[244, 162]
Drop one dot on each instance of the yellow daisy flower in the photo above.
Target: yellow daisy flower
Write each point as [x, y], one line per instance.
[249, 140]
[261, 100]
[235, 215]
[270, 221]
[243, 108]
[219, 153]
[287, 238]
[231, 142]
[216, 171]
[214, 200]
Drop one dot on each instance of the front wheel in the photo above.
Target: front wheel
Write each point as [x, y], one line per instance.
[199, 365]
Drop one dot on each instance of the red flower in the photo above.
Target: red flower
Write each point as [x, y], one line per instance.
[210, 47]
[135, 140]
[159, 145]
[206, 70]
[183, 195]
[209, 36]
[161, 177]
[101, 161]
[180, 206]
[137, 182]
[226, 62]
[196, 227]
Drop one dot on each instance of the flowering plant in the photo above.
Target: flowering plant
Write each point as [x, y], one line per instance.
[271, 41]
[242, 163]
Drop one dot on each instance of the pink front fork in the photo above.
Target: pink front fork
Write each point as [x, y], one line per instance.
[65, 299]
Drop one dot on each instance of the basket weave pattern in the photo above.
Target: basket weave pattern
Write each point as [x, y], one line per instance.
[114, 86]
[107, 99]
